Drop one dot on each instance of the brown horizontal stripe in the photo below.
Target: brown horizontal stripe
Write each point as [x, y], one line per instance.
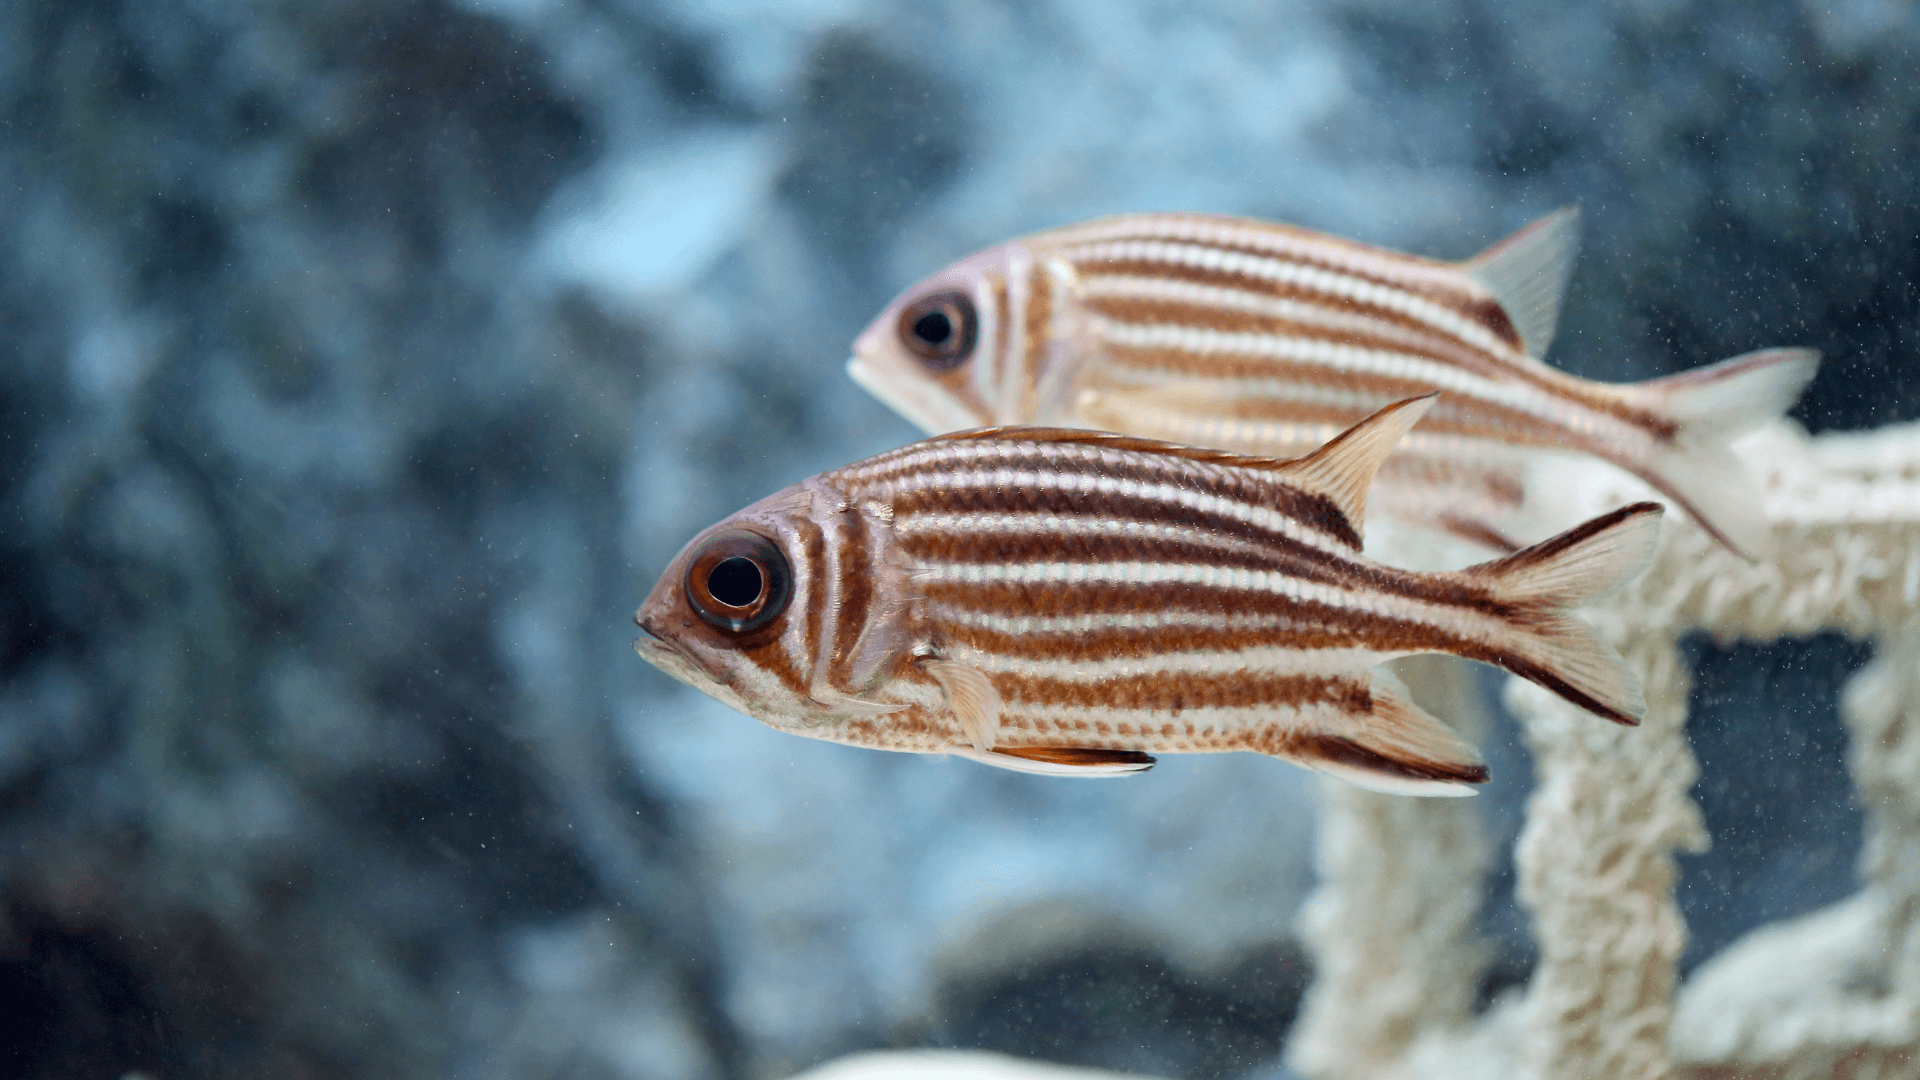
[1306, 626]
[1178, 692]
[1259, 548]
[994, 548]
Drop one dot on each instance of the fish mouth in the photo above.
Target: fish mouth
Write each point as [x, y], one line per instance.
[661, 653]
[923, 414]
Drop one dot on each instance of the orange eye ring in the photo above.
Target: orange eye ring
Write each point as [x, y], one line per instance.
[739, 581]
[940, 329]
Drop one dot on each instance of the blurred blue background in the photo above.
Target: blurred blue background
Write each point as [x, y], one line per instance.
[361, 364]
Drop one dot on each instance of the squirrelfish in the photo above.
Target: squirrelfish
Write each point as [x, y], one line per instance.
[1268, 339]
[1071, 602]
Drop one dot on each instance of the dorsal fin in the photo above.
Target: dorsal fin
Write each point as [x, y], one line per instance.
[1527, 273]
[1343, 469]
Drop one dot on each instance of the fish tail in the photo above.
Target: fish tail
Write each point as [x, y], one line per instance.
[1709, 408]
[1541, 586]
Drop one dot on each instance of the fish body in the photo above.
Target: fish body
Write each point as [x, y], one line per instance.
[1064, 601]
[1270, 340]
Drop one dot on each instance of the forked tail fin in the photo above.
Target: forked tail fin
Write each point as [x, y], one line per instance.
[1548, 644]
[1710, 407]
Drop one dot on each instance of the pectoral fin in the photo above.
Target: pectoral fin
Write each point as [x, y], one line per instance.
[835, 699]
[972, 697]
[1061, 760]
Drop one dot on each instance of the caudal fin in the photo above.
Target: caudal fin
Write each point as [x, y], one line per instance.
[1548, 644]
[1711, 407]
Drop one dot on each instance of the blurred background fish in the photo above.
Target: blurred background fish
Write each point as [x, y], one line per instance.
[1271, 339]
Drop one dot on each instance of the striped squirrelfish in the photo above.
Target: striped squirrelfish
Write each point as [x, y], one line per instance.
[1267, 339]
[1070, 602]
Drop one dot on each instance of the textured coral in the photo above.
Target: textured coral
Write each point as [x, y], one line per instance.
[1831, 994]
[1392, 943]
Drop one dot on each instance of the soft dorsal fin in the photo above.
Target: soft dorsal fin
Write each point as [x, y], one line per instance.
[1343, 469]
[1527, 273]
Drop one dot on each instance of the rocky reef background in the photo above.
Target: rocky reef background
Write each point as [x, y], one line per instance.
[361, 363]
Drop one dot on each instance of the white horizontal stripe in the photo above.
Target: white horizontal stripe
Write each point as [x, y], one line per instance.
[1144, 620]
[1263, 660]
[1301, 276]
[1280, 240]
[1169, 494]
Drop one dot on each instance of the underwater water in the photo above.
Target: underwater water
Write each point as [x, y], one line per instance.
[362, 364]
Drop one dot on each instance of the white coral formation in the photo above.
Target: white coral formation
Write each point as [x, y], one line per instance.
[1395, 951]
[1835, 994]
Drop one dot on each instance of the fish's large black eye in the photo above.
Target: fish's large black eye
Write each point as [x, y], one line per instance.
[940, 329]
[739, 581]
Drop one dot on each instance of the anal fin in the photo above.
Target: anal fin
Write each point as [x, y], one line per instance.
[1061, 760]
[1398, 748]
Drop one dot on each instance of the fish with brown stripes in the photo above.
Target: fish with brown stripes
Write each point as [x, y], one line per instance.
[1069, 602]
[1268, 339]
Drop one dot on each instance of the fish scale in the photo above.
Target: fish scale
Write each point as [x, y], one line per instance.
[1065, 601]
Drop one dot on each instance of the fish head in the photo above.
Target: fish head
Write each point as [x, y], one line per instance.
[728, 615]
[974, 345]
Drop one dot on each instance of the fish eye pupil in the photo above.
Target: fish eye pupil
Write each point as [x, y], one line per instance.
[934, 328]
[940, 329]
[738, 581]
[735, 582]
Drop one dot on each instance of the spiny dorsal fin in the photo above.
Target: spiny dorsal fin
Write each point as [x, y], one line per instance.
[1343, 469]
[1527, 273]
